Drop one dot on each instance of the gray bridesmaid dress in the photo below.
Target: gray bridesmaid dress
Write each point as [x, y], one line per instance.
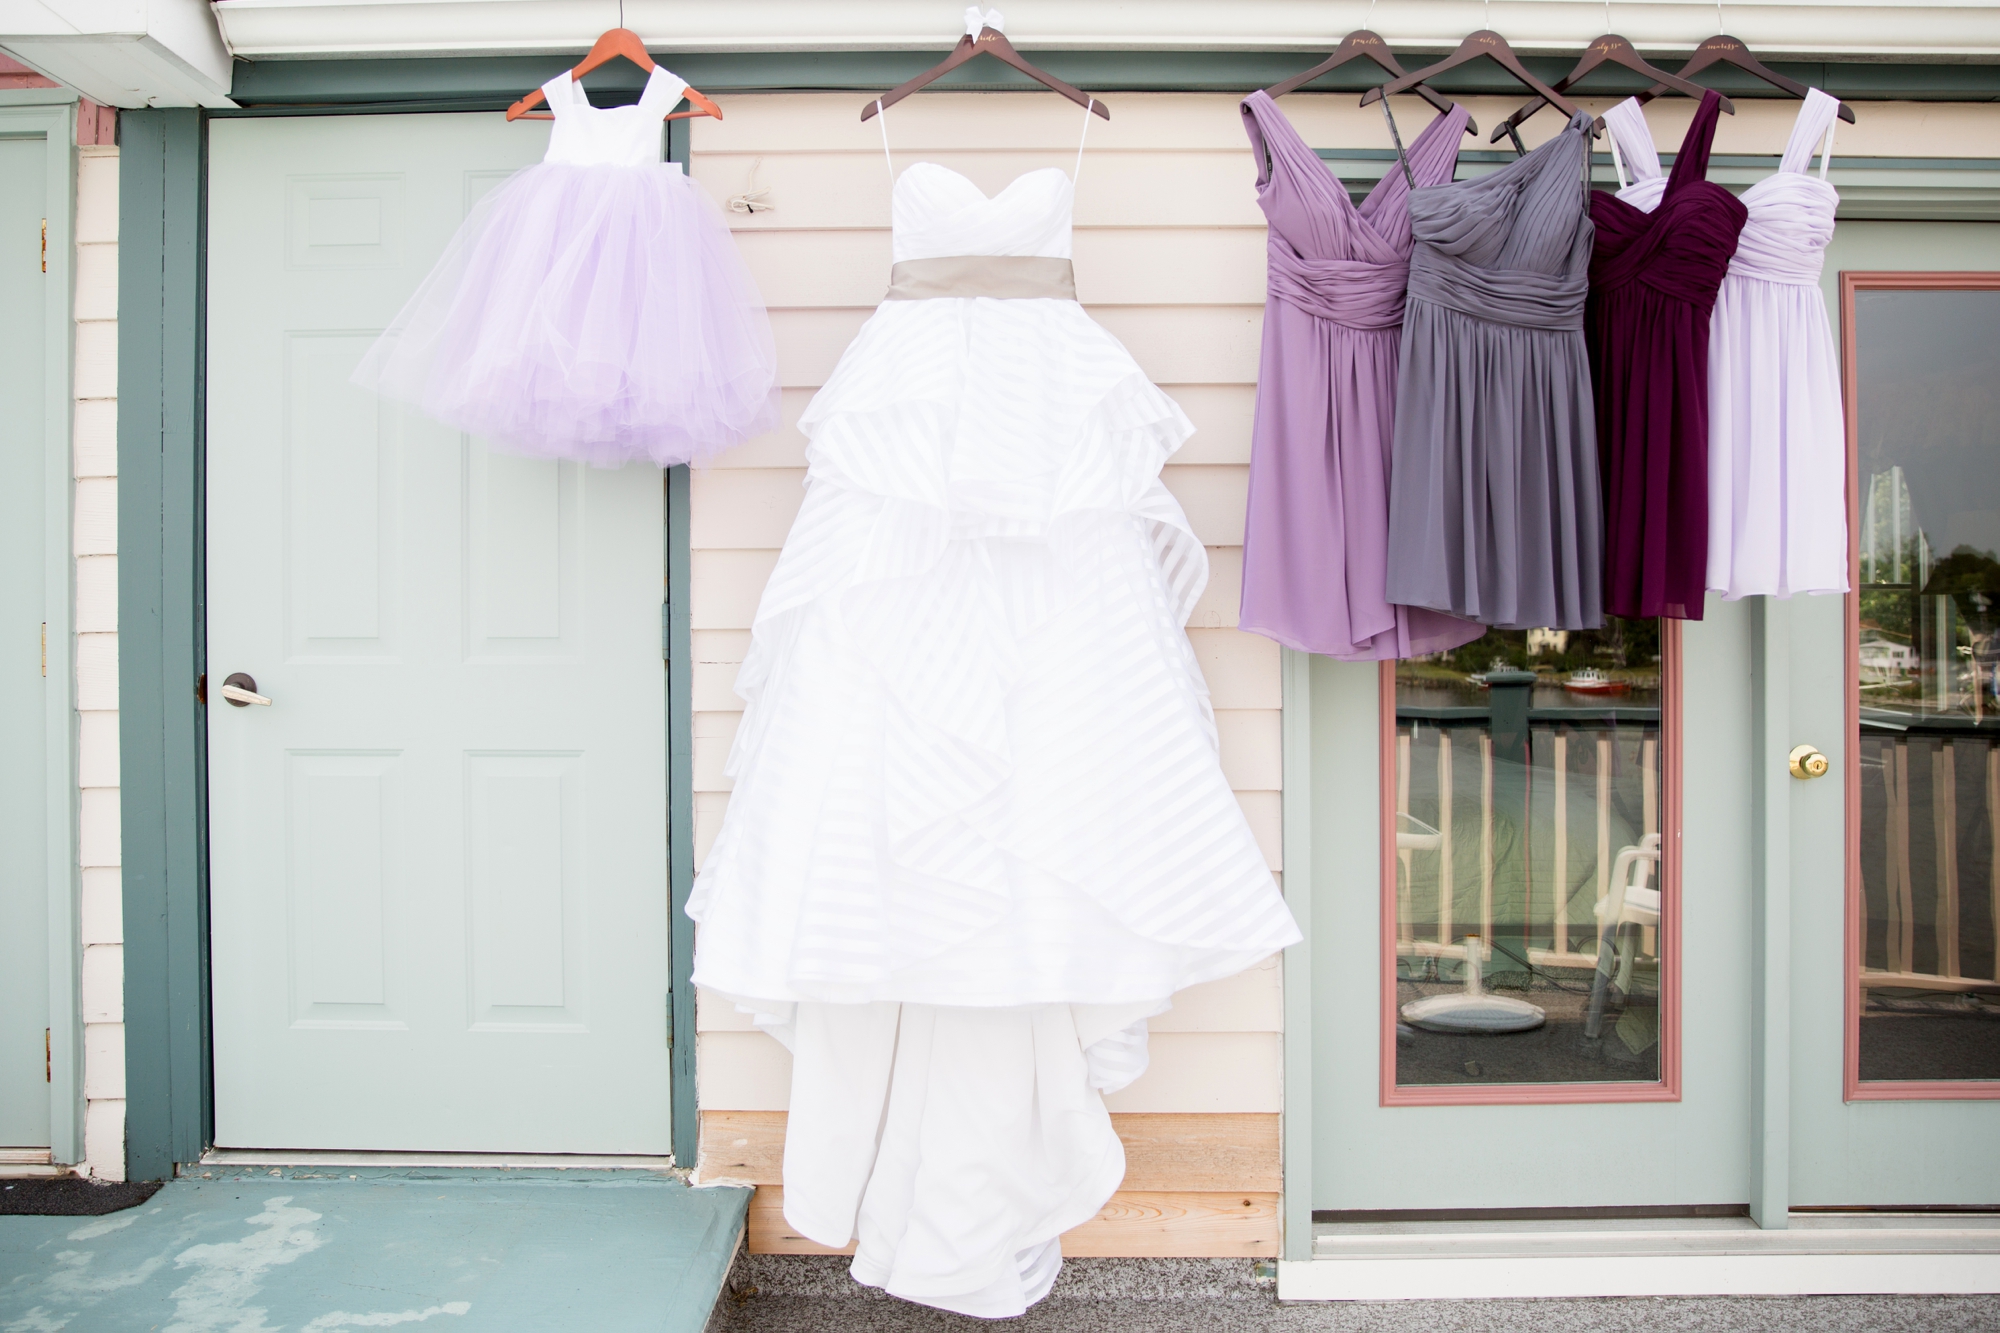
[1494, 507]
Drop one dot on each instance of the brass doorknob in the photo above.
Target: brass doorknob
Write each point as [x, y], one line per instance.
[1808, 762]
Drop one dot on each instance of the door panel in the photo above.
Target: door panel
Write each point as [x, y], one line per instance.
[1559, 1146]
[24, 772]
[1918, 1150]
[439, 889]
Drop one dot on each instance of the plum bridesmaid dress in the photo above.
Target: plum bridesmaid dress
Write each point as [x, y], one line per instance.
[1653, 283]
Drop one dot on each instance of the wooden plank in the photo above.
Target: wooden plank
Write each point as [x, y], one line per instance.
[753, 508]
[1163, 1153]
[1135, 1224]
[1250, 1001]
[968, 121]
[1252, 747]
[1222, 600]
[1194, 188]
[1241, 669]
[1207, 344]
[1221, 414]
[1191, 1073]
[1114, 266]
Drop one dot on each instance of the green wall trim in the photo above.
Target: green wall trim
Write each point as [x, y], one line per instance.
[1296, 811]
[1771, 913]
[48, 116]
[162, 747]
[680, 779]
[476, 82]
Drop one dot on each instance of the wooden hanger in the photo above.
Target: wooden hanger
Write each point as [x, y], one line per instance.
[1362, 42]
[1614, 50]
[1485, 42]
[1725, 50]
[992, 42]
[615, 43]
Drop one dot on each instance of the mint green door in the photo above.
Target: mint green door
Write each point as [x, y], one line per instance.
[1896, 1080]
[1534, 812]
[438, 892]
[25, 300]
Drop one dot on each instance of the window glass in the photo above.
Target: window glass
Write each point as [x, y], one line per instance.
[1529, 894]
[1927, 394]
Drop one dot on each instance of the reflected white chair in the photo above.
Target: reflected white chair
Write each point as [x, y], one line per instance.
[1633, 900]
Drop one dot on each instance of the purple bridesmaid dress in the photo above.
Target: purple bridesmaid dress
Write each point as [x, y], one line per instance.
[1316, 537]
[1653, 282]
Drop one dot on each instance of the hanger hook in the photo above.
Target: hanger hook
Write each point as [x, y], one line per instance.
[1718, 18]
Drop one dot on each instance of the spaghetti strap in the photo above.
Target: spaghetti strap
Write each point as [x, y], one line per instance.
[1691, 163]
[1078, 171]
[882, 122]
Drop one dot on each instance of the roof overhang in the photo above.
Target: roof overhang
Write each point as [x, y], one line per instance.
[1842, 29]
[127, 53]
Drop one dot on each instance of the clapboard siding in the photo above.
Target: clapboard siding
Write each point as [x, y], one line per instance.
[1195, 1153]
[1221, 415]
[1169, 249]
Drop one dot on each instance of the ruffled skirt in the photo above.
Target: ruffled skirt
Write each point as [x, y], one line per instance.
[594, 313]
[977, 776]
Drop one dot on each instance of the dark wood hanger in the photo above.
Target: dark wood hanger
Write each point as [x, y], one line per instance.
[1487, 43]
[990, 42]
[615, 43]
[1610, 49]
[1725, 50]
[1358, 43]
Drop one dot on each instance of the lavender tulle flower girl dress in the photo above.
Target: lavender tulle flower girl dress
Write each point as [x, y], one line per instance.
[593, 306]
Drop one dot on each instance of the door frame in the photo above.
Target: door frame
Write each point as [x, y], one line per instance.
[50, 115]
[163, 739]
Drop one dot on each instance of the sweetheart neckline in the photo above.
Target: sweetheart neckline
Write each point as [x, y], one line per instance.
[989, 198]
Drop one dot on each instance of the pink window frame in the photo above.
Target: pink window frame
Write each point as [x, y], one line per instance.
[1876, 1090]
[1668, 1088]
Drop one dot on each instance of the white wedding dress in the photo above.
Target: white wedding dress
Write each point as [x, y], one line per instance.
[1777, 440]
[978, 831]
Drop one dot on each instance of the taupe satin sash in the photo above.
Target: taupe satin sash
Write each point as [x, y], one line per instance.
[1006, 277]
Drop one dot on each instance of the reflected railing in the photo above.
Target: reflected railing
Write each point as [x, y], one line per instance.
[1527, 924]
[1585, 772]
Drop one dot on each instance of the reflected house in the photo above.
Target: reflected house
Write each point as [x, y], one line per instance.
[1884, 659]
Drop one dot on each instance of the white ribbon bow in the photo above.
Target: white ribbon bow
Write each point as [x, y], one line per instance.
[977, 19]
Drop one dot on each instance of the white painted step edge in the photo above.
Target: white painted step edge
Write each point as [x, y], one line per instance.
[1639, 1275]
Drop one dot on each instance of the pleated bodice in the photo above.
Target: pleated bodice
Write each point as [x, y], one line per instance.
[1654, 281]
[1494, 511]
[1315, 543]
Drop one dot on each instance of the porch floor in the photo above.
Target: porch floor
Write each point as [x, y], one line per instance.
[314, 1250]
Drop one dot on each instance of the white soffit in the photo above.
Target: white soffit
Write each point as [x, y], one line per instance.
[1849, 29]
[127, 53]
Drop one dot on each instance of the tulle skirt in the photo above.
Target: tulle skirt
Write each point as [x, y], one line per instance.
[599, 313]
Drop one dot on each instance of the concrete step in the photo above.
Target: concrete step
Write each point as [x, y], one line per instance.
[319, 1249]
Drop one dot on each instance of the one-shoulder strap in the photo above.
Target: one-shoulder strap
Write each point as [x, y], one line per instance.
[1631, 142]
[1691, 163]
[1816, 121]
[662, 92]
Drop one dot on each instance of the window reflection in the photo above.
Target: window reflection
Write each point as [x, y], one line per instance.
[1528, 859]
[1927, 367]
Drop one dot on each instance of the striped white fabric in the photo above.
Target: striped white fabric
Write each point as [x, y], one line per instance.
[977, 767]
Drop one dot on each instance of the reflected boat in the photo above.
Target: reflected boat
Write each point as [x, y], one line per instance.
[1592, 681]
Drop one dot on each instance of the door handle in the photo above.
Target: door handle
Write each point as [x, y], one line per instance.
[1805, 762]
[241, 691]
